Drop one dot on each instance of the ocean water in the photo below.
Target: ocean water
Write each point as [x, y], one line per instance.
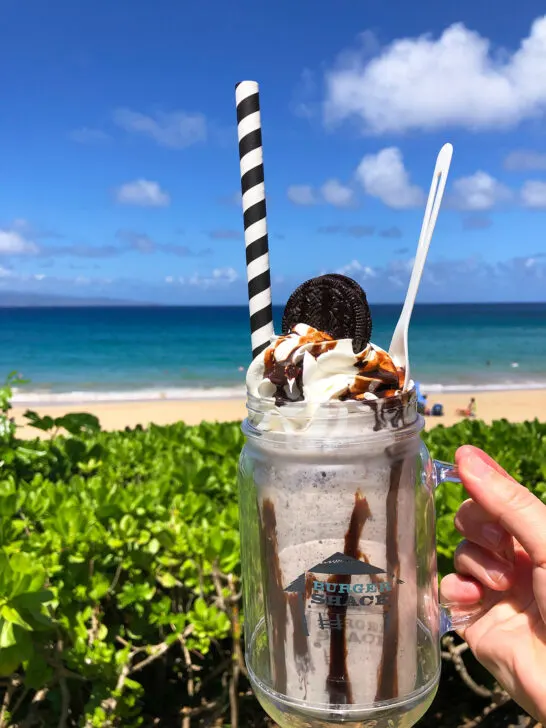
[180, 353]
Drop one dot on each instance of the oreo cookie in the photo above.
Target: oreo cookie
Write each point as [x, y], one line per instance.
[334, 304]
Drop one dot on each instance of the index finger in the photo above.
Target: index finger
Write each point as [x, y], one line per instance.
[512, 505]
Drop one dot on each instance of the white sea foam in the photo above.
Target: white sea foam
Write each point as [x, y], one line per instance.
[479, 387]
[26, 397]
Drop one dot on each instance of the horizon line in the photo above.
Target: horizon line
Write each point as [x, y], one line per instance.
[114, 303]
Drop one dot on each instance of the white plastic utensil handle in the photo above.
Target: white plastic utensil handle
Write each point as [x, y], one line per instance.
[399, 345]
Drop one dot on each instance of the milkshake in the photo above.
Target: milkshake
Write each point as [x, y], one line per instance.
[335, 584]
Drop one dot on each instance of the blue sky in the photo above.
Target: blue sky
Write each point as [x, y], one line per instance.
[119, 157]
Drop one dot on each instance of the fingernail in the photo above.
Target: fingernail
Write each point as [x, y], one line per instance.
[492, 534]
[480, 468]
[498, 573]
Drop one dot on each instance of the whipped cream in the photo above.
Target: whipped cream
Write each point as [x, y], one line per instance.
[307, 365]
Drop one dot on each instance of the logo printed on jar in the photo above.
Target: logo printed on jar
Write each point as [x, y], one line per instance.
[329, 585]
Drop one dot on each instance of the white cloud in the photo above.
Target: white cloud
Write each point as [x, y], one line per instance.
[144, 193]
[218, 278]
[337, 194]
[384, 176]
[302, 195]
[355, 269]
[455, 80]
[525, 160]
[478, 192]
[5, 273]
[533, 195]
[332, 192]
[39, 276]
[176, 129]
[86, 135]
[228, 275]
[169, 279]
[13, 242]
[402, 265]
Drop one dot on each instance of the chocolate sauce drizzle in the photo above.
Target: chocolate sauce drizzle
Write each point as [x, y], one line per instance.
[387, 411]
[279, 374]
[359, 516]
[387, 682]
[299, 637]
[275, 597]
[338, 683]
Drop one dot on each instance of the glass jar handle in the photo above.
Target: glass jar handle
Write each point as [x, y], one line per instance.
[454, 616]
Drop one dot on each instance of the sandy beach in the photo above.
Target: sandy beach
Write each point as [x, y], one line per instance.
[515, 406]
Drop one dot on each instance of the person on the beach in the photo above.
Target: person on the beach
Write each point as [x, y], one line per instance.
[422, 405]
[469, 411]
[502, 562]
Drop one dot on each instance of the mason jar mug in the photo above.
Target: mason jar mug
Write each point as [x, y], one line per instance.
[342, 620]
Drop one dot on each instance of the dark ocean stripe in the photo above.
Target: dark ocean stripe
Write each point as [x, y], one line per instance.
[254, 214]
[247, 106]
[256, 249]
[261, 318]
[252, 178]
[258, 350]
[259, 284]
[250, 142]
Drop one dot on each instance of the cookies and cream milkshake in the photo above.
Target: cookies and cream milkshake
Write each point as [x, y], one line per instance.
[333, 458]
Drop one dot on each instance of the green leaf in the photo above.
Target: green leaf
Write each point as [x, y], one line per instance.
[100, 587]
[22, 563]
[8, 635]
[10, 659]
[37, 672]
[79, 423]
[200, 608]
[13, 616]
[167, 580]
[41, 423]
[6, 574]
[33, 600]
[153, 546]
[133, 685]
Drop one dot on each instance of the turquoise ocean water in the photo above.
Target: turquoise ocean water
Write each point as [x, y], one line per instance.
[177, 353]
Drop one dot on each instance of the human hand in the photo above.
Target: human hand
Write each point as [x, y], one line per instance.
[502, 561]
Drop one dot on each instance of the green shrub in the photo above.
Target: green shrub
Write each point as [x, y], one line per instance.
[119, 569]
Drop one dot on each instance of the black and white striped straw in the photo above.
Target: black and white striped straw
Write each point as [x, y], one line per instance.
[249, 130]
